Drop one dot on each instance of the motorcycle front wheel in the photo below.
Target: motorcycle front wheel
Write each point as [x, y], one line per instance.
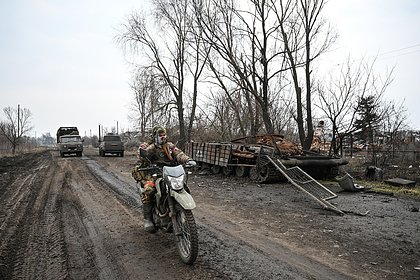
[187, 242]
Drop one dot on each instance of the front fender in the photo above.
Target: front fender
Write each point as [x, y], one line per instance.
[184, 199]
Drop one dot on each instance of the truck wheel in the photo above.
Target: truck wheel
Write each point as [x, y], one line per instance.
[215, 169]
[227, 171]
[241, 171]
[205, 167]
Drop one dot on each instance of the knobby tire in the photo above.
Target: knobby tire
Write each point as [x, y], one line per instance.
[188, 241]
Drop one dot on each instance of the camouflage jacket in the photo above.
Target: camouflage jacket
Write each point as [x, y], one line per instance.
[141, 176]
[168, 153]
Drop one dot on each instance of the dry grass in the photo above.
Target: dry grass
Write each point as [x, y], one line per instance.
[384, 188]
[21, 151]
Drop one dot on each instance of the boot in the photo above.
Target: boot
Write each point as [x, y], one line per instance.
[148, 221]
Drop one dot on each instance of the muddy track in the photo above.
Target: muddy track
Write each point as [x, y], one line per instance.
[32, 239]
[80, 218]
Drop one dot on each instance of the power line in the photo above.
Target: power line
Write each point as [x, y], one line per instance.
[401, 54]
[384, 54]
[401, 49]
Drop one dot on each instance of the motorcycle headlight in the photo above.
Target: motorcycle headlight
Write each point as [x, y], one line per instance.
[177, 183]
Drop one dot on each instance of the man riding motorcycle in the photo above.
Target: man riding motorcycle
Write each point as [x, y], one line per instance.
[160, 152]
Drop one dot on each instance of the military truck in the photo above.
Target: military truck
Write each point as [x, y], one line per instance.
[111, 144]
[69, 141]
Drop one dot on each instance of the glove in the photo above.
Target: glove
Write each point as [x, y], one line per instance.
[191, 163]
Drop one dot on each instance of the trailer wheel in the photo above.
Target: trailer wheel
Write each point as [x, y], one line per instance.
[205, 167]
[227, 171]
[241, 171]
[215, 169]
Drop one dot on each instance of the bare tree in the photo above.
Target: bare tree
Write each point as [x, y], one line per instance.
[244, 119]
[261, 41]
[169, 53]
[219, 117]
[340, 98]
[245, 39]
[149, 104]
[306, 37]
[199, 52]
[394, 120]
[337, 99]
[16, 125]
[283, 110]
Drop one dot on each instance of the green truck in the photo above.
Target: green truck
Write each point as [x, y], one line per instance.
[69, 141]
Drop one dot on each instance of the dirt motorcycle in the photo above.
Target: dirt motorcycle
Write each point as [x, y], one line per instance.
[172, 208]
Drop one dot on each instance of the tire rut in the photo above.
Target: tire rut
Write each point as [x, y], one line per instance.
[84, 207]
[34, 240]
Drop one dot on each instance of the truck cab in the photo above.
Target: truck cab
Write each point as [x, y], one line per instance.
[69, 141]
[70, 144]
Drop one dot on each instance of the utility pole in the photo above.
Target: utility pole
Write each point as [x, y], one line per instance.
[117, 126]
[18, 122]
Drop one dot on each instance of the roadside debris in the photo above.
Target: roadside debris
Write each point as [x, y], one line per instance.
[374, 173]
[346, 183]
[399, 182]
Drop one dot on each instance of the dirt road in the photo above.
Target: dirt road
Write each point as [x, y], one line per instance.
[80, 218]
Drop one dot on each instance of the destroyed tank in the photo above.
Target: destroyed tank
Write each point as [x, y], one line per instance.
[250, 156]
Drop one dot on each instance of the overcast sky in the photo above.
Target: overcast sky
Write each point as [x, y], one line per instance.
[59, 58]
[389, 31]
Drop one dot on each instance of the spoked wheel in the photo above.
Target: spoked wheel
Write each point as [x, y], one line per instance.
[188, 240]
[254, 174]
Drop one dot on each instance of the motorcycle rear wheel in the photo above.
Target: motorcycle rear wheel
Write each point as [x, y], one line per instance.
[187, 242]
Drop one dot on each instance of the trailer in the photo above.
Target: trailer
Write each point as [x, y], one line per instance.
[253, 156]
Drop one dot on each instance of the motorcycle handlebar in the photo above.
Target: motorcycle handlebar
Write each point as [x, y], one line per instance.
[150, 168]
[158, 168]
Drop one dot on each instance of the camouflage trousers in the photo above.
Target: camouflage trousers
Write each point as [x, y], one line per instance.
[148, 193]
